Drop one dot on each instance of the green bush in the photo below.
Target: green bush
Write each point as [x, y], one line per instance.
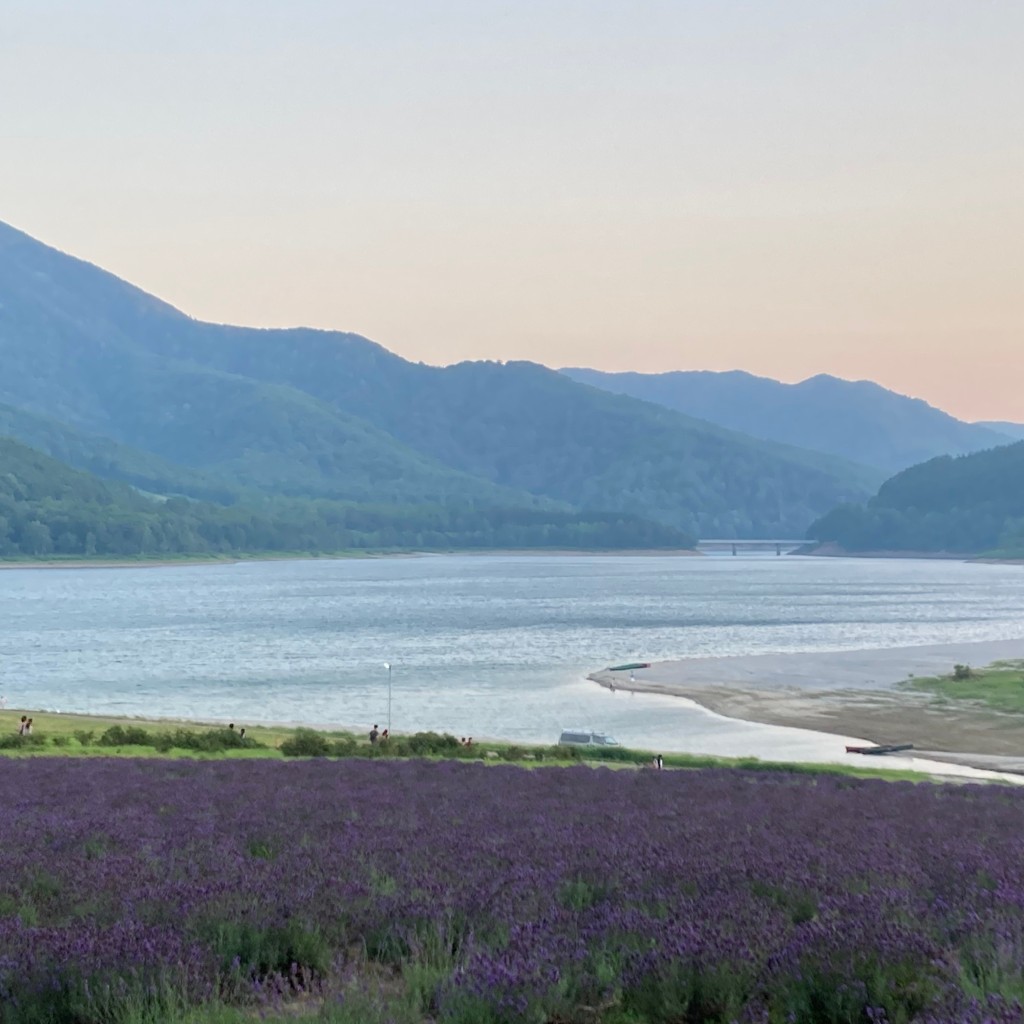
[125, 736]
[85, 737]
[346, 747]
[432, 743]
[306, 743]
[16, 742]
[211, 740]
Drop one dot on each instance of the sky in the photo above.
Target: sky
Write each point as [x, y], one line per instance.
[788, 187]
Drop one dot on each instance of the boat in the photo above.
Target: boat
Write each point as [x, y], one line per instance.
[883, 748]
[628, 668]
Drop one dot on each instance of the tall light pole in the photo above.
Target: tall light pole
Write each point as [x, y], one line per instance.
[387, 665]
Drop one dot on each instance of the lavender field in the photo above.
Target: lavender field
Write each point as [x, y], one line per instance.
[442, 891]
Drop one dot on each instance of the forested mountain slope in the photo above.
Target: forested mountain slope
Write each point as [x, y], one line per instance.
[526, 427]
[856, 420]
[49, 509]
[970, 503]
[314, 413]
[111, 460]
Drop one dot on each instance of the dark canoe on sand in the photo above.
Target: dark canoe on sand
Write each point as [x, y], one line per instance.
[887, 748]
[631, 665]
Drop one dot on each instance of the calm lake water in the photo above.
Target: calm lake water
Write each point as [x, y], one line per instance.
[486, 645]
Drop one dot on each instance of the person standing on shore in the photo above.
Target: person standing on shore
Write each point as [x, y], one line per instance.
[374, 735]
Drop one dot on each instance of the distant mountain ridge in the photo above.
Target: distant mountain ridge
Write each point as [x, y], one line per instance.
[856, 420]
[126, 386]
[1013, 430]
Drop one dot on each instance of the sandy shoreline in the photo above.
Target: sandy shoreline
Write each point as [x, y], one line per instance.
[849, 693]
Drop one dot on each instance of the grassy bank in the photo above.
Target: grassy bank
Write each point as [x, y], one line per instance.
[999, 687]
[71, 735]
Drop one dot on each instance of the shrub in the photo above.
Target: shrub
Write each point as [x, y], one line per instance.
[431, 743]
[125, 736]
[85, 737]
[210, 740]
[962, 672]
[163, 742]
[16, 742]
[306, 743]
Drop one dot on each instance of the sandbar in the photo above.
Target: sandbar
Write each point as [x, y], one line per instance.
[850, 693]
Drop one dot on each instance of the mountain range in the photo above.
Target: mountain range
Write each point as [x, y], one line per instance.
[111, 380]
[855, 420]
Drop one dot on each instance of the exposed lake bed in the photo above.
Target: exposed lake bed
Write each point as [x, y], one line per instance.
[862, 692]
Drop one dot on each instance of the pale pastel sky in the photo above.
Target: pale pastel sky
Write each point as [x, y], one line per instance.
[782, 186]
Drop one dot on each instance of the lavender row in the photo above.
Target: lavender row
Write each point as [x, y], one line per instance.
[523, 896]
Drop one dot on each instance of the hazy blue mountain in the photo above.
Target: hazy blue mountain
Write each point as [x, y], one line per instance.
[71, 351]
[969, 503]
[1012, 430]
[324, 414]
[856, 420]
[527, 427]
[109, 459]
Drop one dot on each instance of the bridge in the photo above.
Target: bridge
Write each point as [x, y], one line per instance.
[716, 546]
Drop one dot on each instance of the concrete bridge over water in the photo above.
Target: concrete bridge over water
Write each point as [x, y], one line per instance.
[725, 546]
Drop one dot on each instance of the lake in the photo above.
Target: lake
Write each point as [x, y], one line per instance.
[488, 645]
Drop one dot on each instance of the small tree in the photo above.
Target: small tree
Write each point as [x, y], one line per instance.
[962, 672]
